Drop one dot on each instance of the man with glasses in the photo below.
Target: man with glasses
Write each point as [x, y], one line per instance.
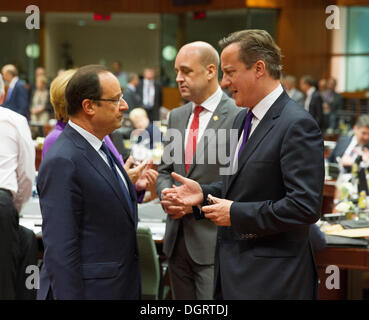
[88, 203]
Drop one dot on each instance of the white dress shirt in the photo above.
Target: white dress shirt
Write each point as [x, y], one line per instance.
[205, 115]
[309, 95]
[148, 92]
[96, 143]
[259, 112]
[17, 156]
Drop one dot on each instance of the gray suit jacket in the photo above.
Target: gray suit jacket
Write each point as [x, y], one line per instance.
[298, 96]
[200, 235]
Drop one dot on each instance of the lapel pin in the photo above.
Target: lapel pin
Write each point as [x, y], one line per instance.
[215, 118]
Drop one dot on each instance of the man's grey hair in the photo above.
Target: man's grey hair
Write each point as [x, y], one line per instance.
[2, 86]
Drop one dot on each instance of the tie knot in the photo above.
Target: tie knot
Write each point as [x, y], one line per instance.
[197, 110]
[249, 115]
[104, 148]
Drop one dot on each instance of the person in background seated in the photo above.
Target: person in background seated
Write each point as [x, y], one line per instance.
[18, 245]
[348, 148]
[141, 121]
[142, 175]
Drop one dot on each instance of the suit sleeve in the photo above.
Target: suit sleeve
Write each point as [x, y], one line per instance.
[22, 102]
[302, 169]
[165, 179]
[61, 209]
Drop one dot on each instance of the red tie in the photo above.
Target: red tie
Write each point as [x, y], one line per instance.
[192, 138]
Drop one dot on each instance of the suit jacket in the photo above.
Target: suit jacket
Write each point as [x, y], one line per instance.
[316, 108]
[19, 100]
[88, 230]
[200, 236]
[277, 194]
[158, 99]
[132, 98]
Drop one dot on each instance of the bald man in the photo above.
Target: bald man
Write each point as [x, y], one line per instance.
[17, 95]
[190, 240]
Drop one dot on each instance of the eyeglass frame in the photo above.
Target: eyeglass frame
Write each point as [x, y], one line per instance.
[117, 101]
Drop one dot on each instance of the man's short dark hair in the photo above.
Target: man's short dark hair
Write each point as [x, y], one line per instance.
[309, 80]
[362, 121]
[256, 45]
[84, 84]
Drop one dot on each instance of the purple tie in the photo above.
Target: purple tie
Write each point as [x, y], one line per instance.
[246, 130]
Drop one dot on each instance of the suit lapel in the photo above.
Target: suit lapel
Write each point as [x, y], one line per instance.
[100, 166]
[215, 122]
[265, 125]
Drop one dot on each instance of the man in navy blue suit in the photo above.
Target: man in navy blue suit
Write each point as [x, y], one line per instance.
[265, 209]
[17, 95]
[88, 204]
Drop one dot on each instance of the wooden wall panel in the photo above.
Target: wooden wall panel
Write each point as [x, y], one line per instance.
[304, 40]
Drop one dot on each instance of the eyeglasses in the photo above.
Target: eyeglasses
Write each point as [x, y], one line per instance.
[117, 101]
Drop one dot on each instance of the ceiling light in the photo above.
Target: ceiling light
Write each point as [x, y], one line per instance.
[4, 19]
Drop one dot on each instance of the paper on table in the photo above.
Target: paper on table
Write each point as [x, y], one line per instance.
[351, 233]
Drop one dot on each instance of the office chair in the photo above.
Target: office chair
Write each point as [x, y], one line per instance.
[150, 268]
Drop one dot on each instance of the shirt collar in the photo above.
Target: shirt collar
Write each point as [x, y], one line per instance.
[211, 103]
[91, 139]
[311, 91]
[264, 105]
[13, 82]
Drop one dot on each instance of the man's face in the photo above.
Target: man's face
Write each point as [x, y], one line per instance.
[288, 84]
[108, 116]
[192, 76]
[149, 74]
[304, 86]
[6, 76]
[241, 82]
[362, 135]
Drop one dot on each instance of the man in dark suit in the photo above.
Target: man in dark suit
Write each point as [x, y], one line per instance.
[348, 148]
[188, 243]
[150, 92]
[17, 95]
[313, 101]
[88, 204]
[265, 209]
[130, 92]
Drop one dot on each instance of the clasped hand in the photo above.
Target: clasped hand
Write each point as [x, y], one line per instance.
[178, 201]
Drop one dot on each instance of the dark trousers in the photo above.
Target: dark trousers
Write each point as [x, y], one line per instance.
[18, 250]
[27, 255]
[9, 238]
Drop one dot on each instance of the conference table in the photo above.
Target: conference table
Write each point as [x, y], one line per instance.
[150, 215]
